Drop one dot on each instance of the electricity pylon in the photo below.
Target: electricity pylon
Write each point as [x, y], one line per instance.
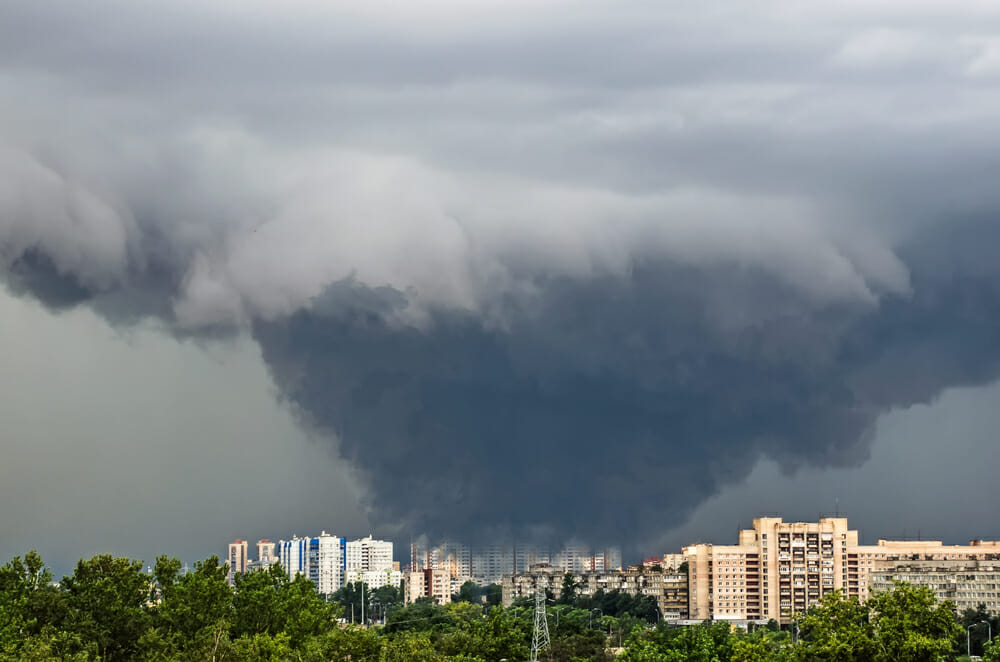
[540, 634]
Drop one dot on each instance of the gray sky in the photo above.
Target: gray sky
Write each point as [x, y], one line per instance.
[357, 265]
[131, 442]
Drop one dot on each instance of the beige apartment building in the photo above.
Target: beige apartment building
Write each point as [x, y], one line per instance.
[237, 558]
[967, 583]
[428, 583]
[779, 569]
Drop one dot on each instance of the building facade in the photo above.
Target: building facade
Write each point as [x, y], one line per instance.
[967, 584]
[368, 554]
[668, 588]
[237, 559]
[488, 564]
[427, 583]
[320, 559]
[779, 569]
[266, 553]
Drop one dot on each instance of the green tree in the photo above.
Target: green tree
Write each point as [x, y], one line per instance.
[356, 600]
[410, 647]
[991, 651]
[263, 648]
[387, 596]
[501, 635]
[757, 647]
[494, 595]
[353, 643]
[470, 591]
[567, 595]
[977, 635]
[303, 613]
[836, 630]
[257, 602]
[423, 614]
[910, 625]
[194, 611]
[106, 605]
[28, 601]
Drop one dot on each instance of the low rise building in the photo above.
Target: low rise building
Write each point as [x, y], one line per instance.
[967, 583]
[375, 579]
[668, 588]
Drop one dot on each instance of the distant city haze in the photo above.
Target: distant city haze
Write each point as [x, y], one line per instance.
[627, 274]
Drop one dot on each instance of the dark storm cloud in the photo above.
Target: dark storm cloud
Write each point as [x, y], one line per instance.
[617, 402]
[602, 256]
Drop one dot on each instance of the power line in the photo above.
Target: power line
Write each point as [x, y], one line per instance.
[540, 633]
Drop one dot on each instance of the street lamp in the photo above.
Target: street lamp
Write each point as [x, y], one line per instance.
[968, 638]
[591, 624]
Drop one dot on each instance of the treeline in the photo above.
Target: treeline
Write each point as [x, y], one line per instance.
[109, 610]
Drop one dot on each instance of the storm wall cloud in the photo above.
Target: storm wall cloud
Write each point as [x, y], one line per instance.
[607, 256]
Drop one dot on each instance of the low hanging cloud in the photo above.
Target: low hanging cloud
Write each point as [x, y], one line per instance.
[529, 288]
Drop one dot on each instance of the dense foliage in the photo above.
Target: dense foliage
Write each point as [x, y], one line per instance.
[109, 610]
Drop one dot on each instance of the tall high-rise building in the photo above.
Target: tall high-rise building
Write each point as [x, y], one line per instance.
[491, 562]
[320, 559]
[526, 555]
[266, 554]
[454, 557]
[330, 563]
[368, 554]
[294, 556]
[237, 558]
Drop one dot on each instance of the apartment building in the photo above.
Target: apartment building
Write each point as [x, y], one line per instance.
[367, 554]
[779, 569]
[427, 583]
[266, 554]
[327, 565]
[294, 556]
[967, 583]
[453, 557]
[320, 559]
[487, 564]
[542, 576]
[237, 559]
[668, 588]
[375, 579]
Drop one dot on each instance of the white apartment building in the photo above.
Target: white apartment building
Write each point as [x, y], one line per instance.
[294, 556]
[320, 559]
[329, 559]
[375, 579]
[368, 554]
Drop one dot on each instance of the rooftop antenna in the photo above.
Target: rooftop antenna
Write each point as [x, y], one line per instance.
[837, 506]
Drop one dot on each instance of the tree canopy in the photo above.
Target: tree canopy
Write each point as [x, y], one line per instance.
[108, 609]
